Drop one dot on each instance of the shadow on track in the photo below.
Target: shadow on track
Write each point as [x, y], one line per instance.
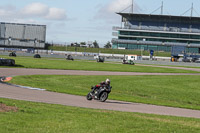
[18, 66]
[117, 102]
[4, 66]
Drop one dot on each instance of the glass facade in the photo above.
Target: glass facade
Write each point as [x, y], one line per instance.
[160, 37]
[149, 47]
[144, 47]
[158, 32]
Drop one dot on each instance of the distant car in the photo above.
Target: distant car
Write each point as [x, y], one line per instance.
[69, 57]
[129, 59]
[37, 56]
[100, 59]
[13, 54]
[197, 61]
[7, 62]
[186, 60]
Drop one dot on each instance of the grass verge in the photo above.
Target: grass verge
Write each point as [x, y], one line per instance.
[175, 91]
[197, 67]
[52, 63]
[38, 117]
[109, 51]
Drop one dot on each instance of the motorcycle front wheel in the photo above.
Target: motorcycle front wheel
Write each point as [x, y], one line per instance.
[103, 97]
[89, 97]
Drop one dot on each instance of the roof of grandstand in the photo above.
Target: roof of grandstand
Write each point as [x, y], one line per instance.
[165, 18]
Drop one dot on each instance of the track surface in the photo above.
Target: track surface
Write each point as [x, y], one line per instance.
[12, 92]
[23, 71]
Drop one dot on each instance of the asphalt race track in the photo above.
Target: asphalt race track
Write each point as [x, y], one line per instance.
[7, 91]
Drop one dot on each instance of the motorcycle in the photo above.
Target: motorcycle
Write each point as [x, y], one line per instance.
[98, 93]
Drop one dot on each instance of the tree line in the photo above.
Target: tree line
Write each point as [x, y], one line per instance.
[95, 44]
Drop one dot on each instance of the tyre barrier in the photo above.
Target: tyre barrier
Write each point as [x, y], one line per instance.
[5, 79]
[7, 62]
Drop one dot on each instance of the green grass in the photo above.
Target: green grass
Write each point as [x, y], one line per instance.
[109, 51]
[52, 63]
[175, 91]
[198, 67]
[48, 118]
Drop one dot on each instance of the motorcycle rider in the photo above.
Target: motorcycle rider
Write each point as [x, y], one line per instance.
[106, 84]
[103, 84]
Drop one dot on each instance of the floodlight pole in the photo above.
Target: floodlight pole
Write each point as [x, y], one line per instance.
[192, 8]
[162, 8]
[132, 6]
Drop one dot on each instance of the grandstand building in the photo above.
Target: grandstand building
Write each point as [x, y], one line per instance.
[15, 35]
[157, 32]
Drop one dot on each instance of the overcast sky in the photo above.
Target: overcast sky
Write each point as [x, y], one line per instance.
[84, 20]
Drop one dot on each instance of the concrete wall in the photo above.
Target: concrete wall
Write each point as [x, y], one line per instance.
[22, 35]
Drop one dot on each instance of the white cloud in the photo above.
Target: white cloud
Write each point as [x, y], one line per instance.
[32, 11]
[8, 10]
[4, 12]
[118, 5]
[108, 12]
[35, 9]
[56, 14]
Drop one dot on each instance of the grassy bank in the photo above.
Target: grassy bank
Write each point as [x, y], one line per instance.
[175, 91]
[38, 117]
[52, 63]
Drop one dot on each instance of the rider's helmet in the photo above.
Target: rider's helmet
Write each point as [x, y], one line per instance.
[107, 81]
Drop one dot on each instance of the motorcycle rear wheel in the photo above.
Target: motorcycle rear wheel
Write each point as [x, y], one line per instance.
[103, 97]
